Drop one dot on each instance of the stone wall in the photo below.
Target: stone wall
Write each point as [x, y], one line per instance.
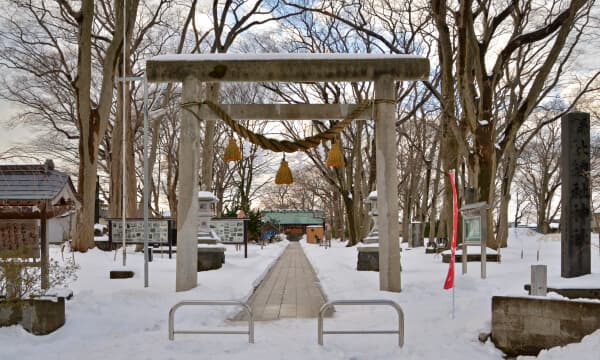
[524, 326]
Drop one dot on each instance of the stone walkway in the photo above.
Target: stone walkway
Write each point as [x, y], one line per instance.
[290, 289]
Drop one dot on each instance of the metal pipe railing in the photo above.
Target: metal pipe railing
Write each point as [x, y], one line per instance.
[391, 303]
[245, 306]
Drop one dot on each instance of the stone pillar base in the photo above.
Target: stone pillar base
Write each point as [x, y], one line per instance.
[368, 258]
[210, 258]
[43, 316]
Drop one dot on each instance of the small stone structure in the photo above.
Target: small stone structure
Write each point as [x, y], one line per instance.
[39, 316]
[539, 280]
[43, 316]
[524, 326]
[368, 258]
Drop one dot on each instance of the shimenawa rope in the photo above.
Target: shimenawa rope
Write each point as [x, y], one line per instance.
[285, 145]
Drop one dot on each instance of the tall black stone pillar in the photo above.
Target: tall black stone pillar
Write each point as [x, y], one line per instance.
[575, 211]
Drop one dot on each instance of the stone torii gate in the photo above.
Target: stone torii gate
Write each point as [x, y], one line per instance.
[193, 70]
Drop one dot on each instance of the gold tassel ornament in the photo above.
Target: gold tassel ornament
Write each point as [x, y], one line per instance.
[232, 151]
[284, 174]
[334, 156]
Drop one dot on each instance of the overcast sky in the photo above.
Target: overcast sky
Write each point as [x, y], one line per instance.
[9, 135]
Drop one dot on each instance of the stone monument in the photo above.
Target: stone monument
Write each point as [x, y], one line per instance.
[373, 236]
[205, 212]
[415, 234]
[575, 218]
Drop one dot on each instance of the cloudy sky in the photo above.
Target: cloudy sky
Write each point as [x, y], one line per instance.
[10, 135]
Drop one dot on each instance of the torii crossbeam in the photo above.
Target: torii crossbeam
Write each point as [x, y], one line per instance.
[383, 69]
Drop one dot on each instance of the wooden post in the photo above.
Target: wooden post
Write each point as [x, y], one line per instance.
[387, 185]
[187, 205]
[44, 256]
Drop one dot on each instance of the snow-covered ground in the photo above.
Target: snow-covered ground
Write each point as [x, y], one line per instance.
[120, 319]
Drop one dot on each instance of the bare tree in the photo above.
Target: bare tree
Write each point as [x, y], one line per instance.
[539, 174]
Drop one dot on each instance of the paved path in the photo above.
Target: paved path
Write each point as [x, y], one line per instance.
[290, 289]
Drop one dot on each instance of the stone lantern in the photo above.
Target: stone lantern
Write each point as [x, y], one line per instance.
[371, 201]
[206, 201]
[368, 252]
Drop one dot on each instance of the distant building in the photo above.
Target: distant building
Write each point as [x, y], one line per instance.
[293, 223]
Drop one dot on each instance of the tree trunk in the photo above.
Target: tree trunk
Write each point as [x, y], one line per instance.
[351, 220]
[92, 122]
[84, 235]
[509, 172]
[434, 202]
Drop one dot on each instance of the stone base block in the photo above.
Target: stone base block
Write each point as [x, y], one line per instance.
[525, 326]
[368, 259]
[471, 257]
[10, 313]
[43, 316]
[121, 274]
[210, 258]
[107, 246]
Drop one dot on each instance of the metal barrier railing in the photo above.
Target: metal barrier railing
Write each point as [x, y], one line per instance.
[391, 303]
[245, 306]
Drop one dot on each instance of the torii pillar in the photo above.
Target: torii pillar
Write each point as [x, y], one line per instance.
[383, 69]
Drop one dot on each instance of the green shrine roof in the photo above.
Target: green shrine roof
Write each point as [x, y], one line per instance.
[293, 217]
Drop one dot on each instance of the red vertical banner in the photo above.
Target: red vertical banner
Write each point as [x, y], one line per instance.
[449, 283]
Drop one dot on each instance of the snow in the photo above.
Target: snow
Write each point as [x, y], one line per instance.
[279, 56]
[120, 319]
[484, 122]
